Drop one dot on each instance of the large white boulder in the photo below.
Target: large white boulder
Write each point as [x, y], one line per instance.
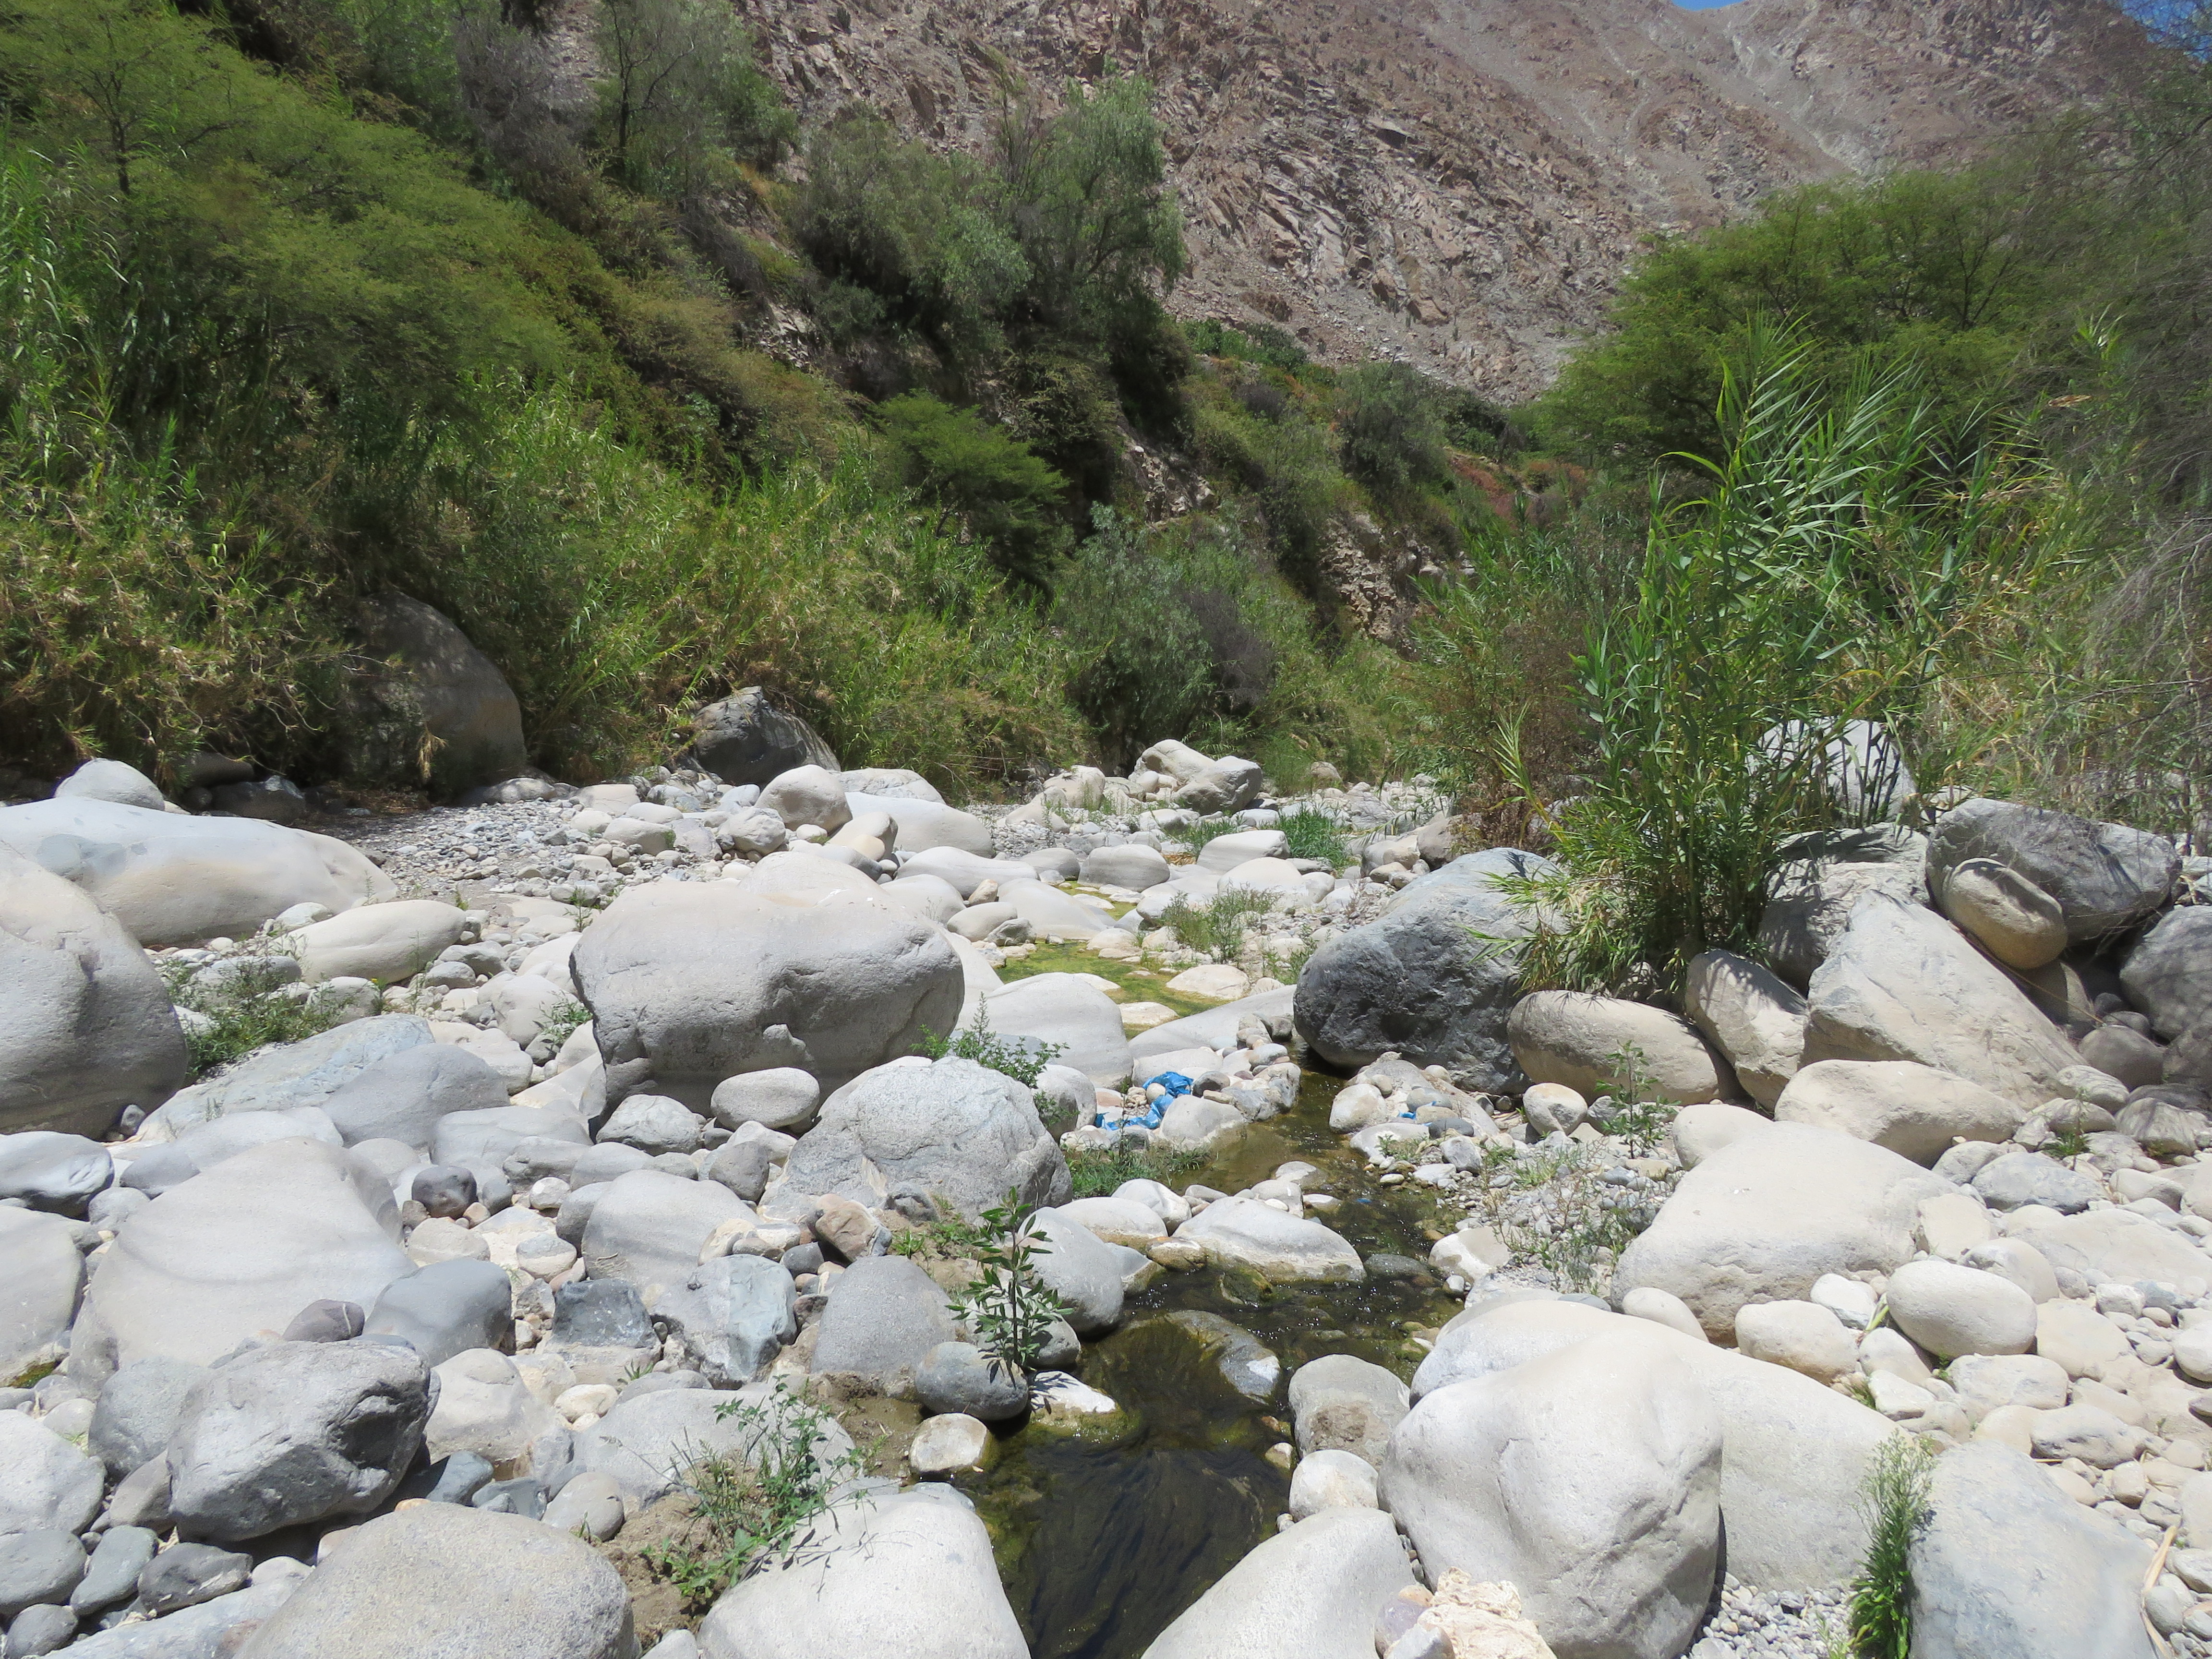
[925, 823]
[1602, 1045]
[1904, 984]
[1589, 1477]
[1071, 1012]
[1762, 1218]
[807, 794]
[1281, 1247]
[86, 1028]
[1310, 1592]
[1755, 1021]
[382, 942]
[689, 983]
[171, 878]
[238, 1250]
[1915, 1110]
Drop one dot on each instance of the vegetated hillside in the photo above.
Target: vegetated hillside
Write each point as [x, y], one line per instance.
[1461, 183]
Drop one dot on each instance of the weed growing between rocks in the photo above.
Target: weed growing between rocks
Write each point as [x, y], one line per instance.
[1009, 1307]
[230, 1022]
[946, 1240]
[1894, 1502]
[1311, 835]
[1215, 927]
[560, 1024]
[1100, 1173]
[1023, 1059]
[756, 1512]
[1567, 1209]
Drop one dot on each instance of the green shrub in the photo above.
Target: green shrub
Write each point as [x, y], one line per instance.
[1390, 427]
[681, 95]
[978, 476]
[1895, 1505]
[1009, 1307]
[1215, 927]
[232, 1024]
[1100, 1173]
[1311, 834]
[1023, 1059]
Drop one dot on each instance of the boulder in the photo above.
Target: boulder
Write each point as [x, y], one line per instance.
[444, 1579]
[135, 1417]
[1699, 1131]
[648, 1227]
[781, 1098]
[404, 1096]
[947, 1443]
[884, 1575]
[293, 1074]
[882, 1316]
[1281, 1247]
[1761, 1220]
[198, 1631]
[1602, 1045]
[1802, 1335]
[1227, 784]
[428, 709]
[111, 780]
[2018, 1179]
[957, 1377]
[690, 983]
[199, 1150]
[648, 1442]
[1133, 866]
[2016, 921]
[1810, 909]
[807, 794]
[1914, 1111]
[1331, 1480]
[445, 1309]
[1755, 1021]
[1433, 977]
[2105, 876]
[1308, 1592]
[1052, 914]
[953, 1129]
[1079, 1267]
[45, 1481]
[923, 825]
[965, 872]
[2007, 1566]
[239, 1250]
[733, 1316]
[2166, 974]
[1118, 1221]
[381, 942]
[1224, 853]
[1216, 1027]
[171, 878]
[888, 783]
[48, 1169]
[1949, 1310]
[39, 1296]
[745, 738]
[1590, 1477]
[1072, 1014]
[1343, 1403]
[295, 1431]
[1904, 984]
[2109, 1247]
[87, 1028]
[484, 1406]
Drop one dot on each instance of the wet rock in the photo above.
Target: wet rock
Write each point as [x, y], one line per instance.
[957, 1377]
[1283, 1248]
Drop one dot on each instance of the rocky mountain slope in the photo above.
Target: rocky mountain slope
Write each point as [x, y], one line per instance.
[1460, 182]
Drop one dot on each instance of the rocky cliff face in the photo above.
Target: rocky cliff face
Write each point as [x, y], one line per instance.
[1460, 182]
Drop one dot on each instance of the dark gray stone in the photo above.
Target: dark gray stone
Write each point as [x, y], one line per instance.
[600, 1313]
[41, 1565]
[404, 1097]
[453, 1478]
[185, 1575]
[2019, 1178]
[805, 1258]
[1420, 979]
[2189, 1058]
[517, 1497]
[296, 1432]
[743, 1164]
[958, 1376]
[2128, 1055]
[882, 1316]
[111, 1208]
[326, 1321]
[41, 1630]
[2009, 1567]
[733, 1315]
[111, 1576]
[443, 1190]
[50, 1170]
[747, 739]
[2169, 974]
[2105, 876]
[135, 1417]
[447, 1308]
[427, 710]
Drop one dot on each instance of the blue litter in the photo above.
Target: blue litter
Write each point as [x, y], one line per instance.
[1174, 1083]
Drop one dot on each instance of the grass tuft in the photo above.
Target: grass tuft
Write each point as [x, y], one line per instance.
[1894, 1503]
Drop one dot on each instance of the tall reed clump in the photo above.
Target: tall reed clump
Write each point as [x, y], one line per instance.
[1847, 548]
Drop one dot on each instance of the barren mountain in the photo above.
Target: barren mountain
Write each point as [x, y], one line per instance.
[1460, 182]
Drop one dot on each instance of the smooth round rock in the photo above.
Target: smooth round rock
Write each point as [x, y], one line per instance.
[957, 1378]
[948, 1443]
[1951, 1309]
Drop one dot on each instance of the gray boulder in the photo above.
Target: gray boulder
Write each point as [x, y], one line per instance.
[648, 1442]
[648, 1227]
[689, 984]
[157, 1169]
[295, 1431]
[952, 1128]
[50, 1170]
[111, 1575]
[1227, 784]
[428, 709]
[2009, 1567]
[303, 1073]
[383, 942]
[2169, 974]
[958, 1376]
[653, 1124]
[922, 824]
[885, 1574]
[1810, 907]
[111, 780]
[45, 1481]
[1310, 1592]
[1133, 866]
[135, 1417]
[1081, 1270]
[1914, 1111]
[1340, 1402]
[1751, 1017]
[42, 1565]
[87, 1028]
[1594, 1044]
[1216, 1027]
[2105, 876]
[1904, 984]
[882, 1316]
[483, 1141]
[171, 878]
[414, 1585]
[2023, 1178]
[733, 1315]
[236, 1251]
[1282, 1248]
[194, 1632]
[447, 1308]
[1071, 1014]
[1423, 978]
[745, 738]
[38, 1296]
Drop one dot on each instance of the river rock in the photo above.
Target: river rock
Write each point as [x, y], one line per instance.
[295, 1431]
[2009, 1567]
[42, 1565]
[111, 780]
[882, 1316]
[1914, 1111]
[38, 1296]
[746, 740]
[1701, 1130]
[1904, 984]
[45, 1481]
[50, 1170]
[1761, 1220]
[2105, 876]
[111, 1575]
[1341, 1402]
[649, 1226]
[1755, 1020]
[1422, 979]
[782, 1098]
[948, 1443]
[445, 1309]
[648, 1442]
[136, 1414]
[402, 1097]
[885, 1574]
[427, 710]
[1597, 1044]
[923, 825]
[171, 878]
[1811, 906]
[1283, 1248]
[236, 1251]
[690, 983]
[1069, 1011]
[1132, 866]
[1080, 1268]
[2017, 922]
[87, 1029]
[484, 1405]
[1950, 1309]
[383, 942]
[1331, 1480]
[807, 794]
[1802, 1335]
[1308, 1592]
[2111, 1247]
[2166, 973]
[950, 1127]
[733, 1315]
[2018, 1179]
[1591, 1477]
[1194, 1122]
[1119, 1220]
[293, 1074]
[957, 1377]
[447, 1579]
